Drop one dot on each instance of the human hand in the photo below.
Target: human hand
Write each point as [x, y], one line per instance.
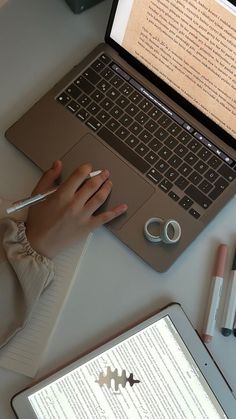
[68, 214]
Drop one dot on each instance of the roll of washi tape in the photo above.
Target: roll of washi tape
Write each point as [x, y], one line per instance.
[150, 236]
[171, 232]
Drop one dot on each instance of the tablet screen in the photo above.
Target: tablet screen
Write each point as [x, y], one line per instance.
[148, 375]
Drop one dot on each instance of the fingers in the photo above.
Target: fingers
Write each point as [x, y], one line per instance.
[94, 186]
[109, 215]
[98, 198]
[70, 186]
[47, 180]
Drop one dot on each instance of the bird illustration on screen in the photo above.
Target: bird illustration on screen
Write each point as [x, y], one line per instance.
[118, 379]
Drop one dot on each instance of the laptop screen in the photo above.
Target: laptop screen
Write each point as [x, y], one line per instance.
[190, 45]
[150, 374]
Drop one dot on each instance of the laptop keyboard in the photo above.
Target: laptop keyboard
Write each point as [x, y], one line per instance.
[143, 130]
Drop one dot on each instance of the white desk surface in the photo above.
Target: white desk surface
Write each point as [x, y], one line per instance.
[39, 42]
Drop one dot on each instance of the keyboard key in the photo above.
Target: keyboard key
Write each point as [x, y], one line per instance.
[165, 153]
[181, 150]
[214, 162]
[122, 101]
[186, 202]
[93, 123]
[113, 93]
[63, 98]
[132, 141]
[135, 97]
[165, 185]
[136, 128]
[141, 117]
[198, 196]
[104, 86]
[132, 109]
[122, 133]
[161, 134]
[126, 120]
[221, 183]
[145, 105]
[205, 186]
[73, 106]
[126, 89]
[106, 104]
[141, 149]
[154, 176]
[195, 178]
[211, 175]
[82, 115]
[171, 142]
[194, 213]
[93, 108]
[84, 85]
[155, 113]
[145, 136]
[191, 158]
[124, 151]
[201, 167]
[175, 161]
[174, 196]
[151, 157]
[174, 129]
[84, 100]
[91, 76]
[194, 145]
[103, 116]
[161, 166]
[171, 174]
[185, 169]
[116, 112]
[155, 145]
[97, 96]
[151, 126]
[204, 154]
[227, 172]
[181, 182]
[112, 124]
[117, 81]
[164, 121]
[98, 65]
[184, 137]
[105, 59]
[73, 91]
[107, 73]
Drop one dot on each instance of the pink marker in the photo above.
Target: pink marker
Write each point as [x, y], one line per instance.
[215, 293]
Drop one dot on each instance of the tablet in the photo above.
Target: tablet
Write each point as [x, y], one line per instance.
[159, 368]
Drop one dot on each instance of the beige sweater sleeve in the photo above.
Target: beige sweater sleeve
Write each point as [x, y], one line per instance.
[24, 274]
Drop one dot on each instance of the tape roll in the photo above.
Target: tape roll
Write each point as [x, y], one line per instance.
[149, 236]
[171, 232]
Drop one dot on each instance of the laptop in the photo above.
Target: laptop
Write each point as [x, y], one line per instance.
[155, 104]
[159, 368]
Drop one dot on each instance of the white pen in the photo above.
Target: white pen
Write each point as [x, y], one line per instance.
[230, 305]
[215, 293]
[23, 203]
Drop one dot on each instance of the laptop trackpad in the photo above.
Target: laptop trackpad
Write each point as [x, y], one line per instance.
[128, 186]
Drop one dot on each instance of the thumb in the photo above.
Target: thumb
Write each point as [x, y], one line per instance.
[48, 179]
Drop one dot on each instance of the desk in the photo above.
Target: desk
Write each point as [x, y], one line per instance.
[39, 42]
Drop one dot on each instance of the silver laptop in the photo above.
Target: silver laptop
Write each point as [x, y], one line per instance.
[156, 105]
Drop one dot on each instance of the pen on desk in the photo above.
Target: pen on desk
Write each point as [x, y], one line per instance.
[230, 304]
[23, 203]
[215, 293]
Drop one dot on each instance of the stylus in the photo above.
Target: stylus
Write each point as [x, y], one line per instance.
[215, 293]
[230, 306]
[23, 203]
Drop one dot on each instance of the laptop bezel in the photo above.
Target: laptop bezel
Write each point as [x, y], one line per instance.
[222, 134]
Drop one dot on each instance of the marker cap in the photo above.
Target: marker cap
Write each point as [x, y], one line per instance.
[220, 260]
